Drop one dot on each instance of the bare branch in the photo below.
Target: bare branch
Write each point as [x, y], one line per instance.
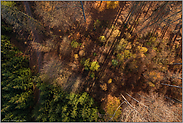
[131, 106]
[137, 101]
[171, 85]
[116, 111]
[173, 99]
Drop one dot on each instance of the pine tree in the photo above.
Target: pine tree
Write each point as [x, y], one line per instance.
[59, 106]
[17, 92]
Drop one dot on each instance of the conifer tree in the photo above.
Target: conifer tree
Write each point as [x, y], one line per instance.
[59, 106]
[16, 83]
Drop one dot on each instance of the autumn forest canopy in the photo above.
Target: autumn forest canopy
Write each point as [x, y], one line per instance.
[91, 61]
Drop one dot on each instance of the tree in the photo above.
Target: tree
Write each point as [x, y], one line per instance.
[59, 106]
[18, 19]
[59, 13]
[17, 85]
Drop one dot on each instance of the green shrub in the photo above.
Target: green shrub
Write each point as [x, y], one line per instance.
[82, 61]
[102, 38]
[122, 45]
[127, 54]
[92, 75]
[148, 43]
[94, 54]
[5, 29]
[87, 64]
[75, 44]
[120, 57]
[114, 62]
[94, 66]
[152, 39]
[90, 65]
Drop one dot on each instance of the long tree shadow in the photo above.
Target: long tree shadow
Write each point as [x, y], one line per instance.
[105, 66]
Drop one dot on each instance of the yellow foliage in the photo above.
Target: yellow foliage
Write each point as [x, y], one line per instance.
[76, 56]
[102, 38]
[120, 57]
[123, 44]
[142, 55]
[151, 84]
[112, 4]
[8, 3]
[109, 81]
[104, 87]
[127, 54]
[112, 105]
[115, 33]
[142, 49]
[152, 39]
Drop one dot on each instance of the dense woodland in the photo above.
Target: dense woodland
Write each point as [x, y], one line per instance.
[91, 61]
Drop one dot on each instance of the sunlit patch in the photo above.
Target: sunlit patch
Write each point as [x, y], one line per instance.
[109, 81]
[76, 56]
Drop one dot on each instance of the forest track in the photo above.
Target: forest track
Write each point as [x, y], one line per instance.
[38, 58]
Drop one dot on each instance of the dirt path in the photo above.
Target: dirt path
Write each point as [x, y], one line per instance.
[35, 56]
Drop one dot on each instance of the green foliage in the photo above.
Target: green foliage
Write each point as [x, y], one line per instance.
[8, 3]
[120, 57]
[142, 49]
[152, 39]
[92, 75]
[114, 62]
[5, 29]
[122, 45]
[102, 38]
[17, 91]
[94, 54]
[112, 4]
[87, 64]
[75, 44]
[90, 65]
[148, 43]
[82, 61]
[127, 54]
[58, 106]
[94, 66]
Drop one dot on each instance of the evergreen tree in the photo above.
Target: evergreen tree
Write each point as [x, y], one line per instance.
[56, 105]
[16, 84]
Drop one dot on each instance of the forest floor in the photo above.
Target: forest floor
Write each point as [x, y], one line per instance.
[62, 64]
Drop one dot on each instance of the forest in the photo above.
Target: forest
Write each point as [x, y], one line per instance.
[91, 61]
